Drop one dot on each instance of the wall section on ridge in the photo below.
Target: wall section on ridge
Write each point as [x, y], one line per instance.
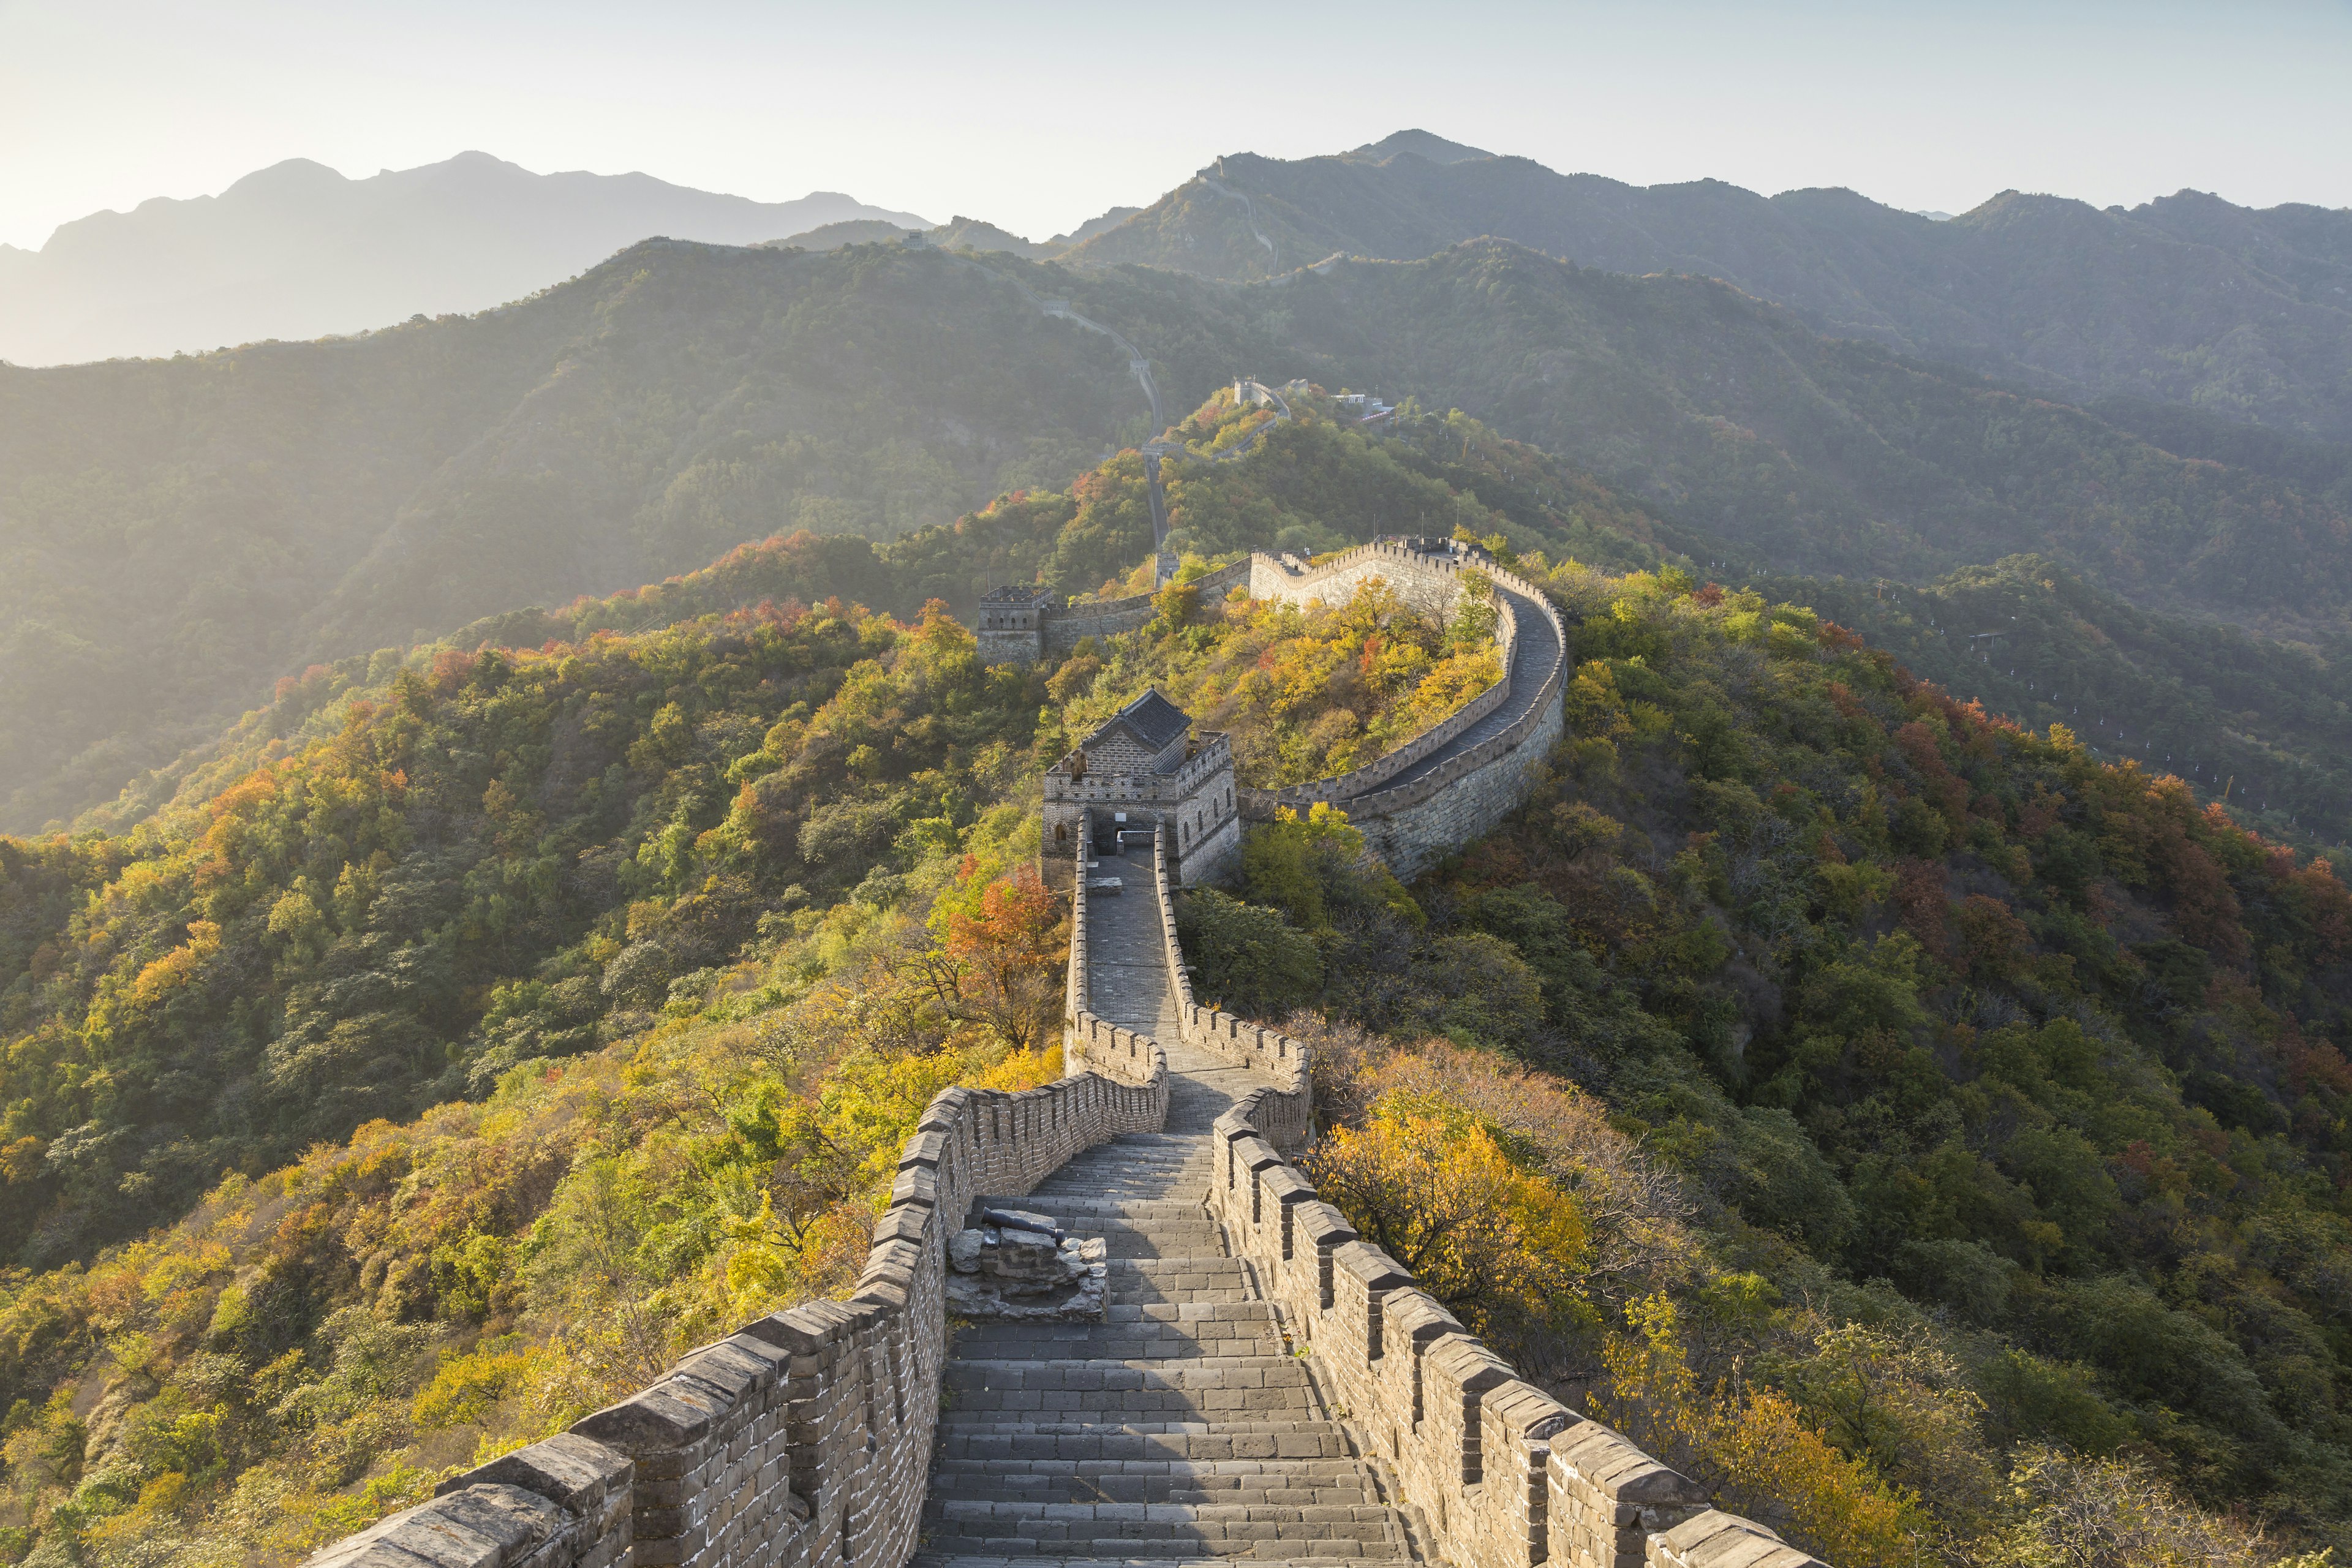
[1468, 792]
[803, 1440]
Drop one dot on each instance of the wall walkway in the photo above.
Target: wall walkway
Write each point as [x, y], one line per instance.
[1456, 780]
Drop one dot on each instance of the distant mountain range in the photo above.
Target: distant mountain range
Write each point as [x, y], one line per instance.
[297, 250]
[2242, 313]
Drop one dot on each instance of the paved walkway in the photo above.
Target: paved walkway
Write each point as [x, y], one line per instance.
[1182, 1428]
[1532, 656]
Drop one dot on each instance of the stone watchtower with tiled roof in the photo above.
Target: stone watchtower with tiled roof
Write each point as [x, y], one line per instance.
[1145, 768]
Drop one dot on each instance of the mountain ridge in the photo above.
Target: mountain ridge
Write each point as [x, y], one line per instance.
[2187, 297]
[298, 251]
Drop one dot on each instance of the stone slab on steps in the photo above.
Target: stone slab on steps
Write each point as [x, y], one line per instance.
[972, 1435]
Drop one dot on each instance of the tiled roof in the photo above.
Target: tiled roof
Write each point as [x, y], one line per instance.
[1015, 594]
[1155, 720]
[1129, 737]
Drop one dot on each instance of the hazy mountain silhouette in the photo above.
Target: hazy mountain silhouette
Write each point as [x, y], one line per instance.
[296, 250]
[2190, 300]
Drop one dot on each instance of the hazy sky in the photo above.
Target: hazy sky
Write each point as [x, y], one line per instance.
[1037, 116]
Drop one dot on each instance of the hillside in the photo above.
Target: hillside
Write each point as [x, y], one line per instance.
[339, 497]
[297, 250]
[1818, 455]
[1937, 1117]
[176, 535]
[2268, 723]
[2007, 1084]
[2244, 313]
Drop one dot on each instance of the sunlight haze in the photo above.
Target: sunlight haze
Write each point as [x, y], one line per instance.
[946, 109]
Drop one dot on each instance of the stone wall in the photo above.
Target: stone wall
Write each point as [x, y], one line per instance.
[1498, 1473]
[1430, 583]
[1413, 826]
[803, 1440]
[1110, 617]
[1260, 804]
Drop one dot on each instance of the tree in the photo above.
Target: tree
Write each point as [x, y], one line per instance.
[1462, 1205]
[1249, 957]
[1007, 959]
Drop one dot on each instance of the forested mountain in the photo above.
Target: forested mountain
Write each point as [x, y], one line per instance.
[1945, 1129]
[296, 250]
[2244, 314]
[1817, 454]
[175, 536]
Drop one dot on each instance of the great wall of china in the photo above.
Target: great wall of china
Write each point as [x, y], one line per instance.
[1262, 1383]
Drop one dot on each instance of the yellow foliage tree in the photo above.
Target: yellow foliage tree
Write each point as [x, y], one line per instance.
[1456, 1202]
[1752, 1449]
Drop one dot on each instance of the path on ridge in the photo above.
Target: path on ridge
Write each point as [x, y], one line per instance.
[1182, 1428]
[1532, 656]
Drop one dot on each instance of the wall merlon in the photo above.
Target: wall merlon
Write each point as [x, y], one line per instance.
[1719, 1540]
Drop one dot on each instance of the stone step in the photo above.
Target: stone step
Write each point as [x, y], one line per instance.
[1233, 1490]
[1210, 1528]
[1244, 1371]
[1093, 1207]
[1212, 1402]
[956, 1551]
[1134, 1281]
[1190, 1312]
[1251, 1492]
[983, 1434]
[1315, 1472]
[1042, 1344]
[1153, 1267]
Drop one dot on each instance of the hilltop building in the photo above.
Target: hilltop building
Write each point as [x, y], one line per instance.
[1144, 768]
[1013, 624]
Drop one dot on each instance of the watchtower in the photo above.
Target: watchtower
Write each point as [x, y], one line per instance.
[1013, 624]
[1144, 767]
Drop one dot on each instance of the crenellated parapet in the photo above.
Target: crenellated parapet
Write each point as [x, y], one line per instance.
[1500, 1473]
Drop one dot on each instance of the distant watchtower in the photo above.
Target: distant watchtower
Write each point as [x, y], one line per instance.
[1143, 768]
[1013, 624]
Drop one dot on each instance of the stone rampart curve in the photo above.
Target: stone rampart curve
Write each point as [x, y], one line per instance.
[803, 1439]
[1265, 803]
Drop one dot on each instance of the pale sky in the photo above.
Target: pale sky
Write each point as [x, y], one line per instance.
[1037, 116]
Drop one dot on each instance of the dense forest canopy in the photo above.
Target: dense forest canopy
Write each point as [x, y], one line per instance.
[2006, 1080]
[682, 930]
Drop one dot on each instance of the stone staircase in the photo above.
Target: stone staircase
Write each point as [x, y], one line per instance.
[1179, 1429]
